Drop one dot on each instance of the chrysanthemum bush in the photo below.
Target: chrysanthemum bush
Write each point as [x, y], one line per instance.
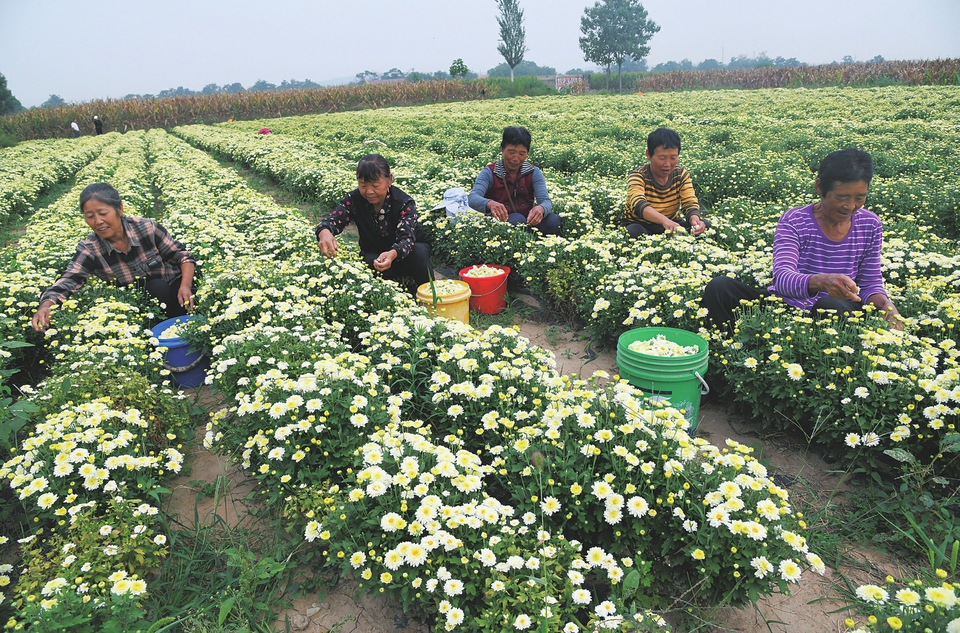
[438, 462]
[30, 168]
[853, 385]
[108, 426]
[929, 604]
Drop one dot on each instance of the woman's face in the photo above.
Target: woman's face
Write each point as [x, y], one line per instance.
[513, 156]
[375, 191]
[663, 161]
[839, 204]
[103, 219]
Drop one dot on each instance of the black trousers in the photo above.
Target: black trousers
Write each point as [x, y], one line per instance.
[637, 229]
[416, 266]
[723, 295]
[166, 293]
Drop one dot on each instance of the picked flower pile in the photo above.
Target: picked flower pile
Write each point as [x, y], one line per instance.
[174, 331]
[445, 287]
[659, 345]
[483, 271]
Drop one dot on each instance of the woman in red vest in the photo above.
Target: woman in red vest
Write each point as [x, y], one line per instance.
[512, 189]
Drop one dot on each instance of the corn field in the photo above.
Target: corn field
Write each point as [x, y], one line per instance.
[140, 114]
[911, 73]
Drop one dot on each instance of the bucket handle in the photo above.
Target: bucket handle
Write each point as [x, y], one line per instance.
[706, 387]
[185, 368]
[497, 289]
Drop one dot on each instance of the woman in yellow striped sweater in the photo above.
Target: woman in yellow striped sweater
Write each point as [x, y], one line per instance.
[658, 191]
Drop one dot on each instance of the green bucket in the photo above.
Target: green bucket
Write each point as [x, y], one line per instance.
[677, 379]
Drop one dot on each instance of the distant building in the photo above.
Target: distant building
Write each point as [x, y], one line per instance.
[569, 81]
[398, 80]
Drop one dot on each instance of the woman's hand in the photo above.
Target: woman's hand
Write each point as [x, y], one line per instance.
[385, 260]
[888, 310]
[669, 226]
[328, 243]
[535, 216]
[41, 318]
[696, 225]
[497, 210]
[185, 292]
[185, 296]
[836, 285]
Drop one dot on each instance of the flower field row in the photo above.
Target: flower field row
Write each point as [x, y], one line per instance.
[395, 437]
[29, 169]
[386, 437]
[751, 156]
[451, 468]
[105, 428]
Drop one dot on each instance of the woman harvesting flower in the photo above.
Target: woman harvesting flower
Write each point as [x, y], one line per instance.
[125, 251]
[826, 255]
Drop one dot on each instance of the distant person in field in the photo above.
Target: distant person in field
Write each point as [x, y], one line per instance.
[512, 189]
[826, 255]
[392, 241]
[98, 124]
[75, 128]
[125, 251]
[660, 196]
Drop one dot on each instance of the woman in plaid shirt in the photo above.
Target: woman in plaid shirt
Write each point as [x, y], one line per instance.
[123, 250]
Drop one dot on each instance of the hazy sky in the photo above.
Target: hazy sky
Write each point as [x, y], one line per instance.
[110, 48]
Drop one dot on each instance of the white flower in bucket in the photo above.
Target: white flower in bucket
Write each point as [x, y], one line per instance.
[483, 271]
[174, 331]
[660, 346]
[443, 287]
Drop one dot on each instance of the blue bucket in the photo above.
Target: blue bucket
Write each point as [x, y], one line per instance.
[188, 368]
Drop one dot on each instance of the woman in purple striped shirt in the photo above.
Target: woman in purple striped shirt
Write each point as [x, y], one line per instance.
[826, 255]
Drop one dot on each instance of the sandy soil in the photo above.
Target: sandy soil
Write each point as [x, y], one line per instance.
[340, 609]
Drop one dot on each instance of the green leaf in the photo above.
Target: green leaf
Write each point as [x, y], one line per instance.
[900, 455]
[631, 583]
[225, 609]
[951, 443]
[161, 625]
[15, 344]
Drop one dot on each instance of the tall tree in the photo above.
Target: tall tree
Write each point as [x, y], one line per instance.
[458, 70]
[53, 102]
[512, 34]
[8, 103]
[614, 31]
[594, 43]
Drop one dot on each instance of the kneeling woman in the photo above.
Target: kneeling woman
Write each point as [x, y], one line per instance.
[123, 250]
[391, 240]
[826, 255]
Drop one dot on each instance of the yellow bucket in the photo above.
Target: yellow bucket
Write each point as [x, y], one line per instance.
[454, 305]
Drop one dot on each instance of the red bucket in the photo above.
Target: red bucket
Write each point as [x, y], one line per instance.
[488, 295]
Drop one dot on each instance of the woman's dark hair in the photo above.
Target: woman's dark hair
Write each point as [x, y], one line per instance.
[662, 137]
[846, 165]
[516, 135]
[373, 167]
[103, 192]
